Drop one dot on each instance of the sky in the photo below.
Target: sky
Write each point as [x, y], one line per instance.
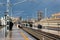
[30, 8]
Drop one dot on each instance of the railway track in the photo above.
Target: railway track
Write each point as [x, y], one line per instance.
[41, 35]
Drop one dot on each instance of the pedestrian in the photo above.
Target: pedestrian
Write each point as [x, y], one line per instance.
[10, 25]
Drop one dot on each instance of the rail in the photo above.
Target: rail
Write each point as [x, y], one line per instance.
[41, 35]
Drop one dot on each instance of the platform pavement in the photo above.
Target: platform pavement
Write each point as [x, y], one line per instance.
[18, 34]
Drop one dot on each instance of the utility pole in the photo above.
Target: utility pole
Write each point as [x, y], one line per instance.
[46, 17]
[6, 13]
[8, 5]
[45, 12]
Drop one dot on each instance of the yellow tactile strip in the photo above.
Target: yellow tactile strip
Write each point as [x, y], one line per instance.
[24, 36]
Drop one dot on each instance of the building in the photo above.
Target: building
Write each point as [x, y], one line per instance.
[3, 21]
[39, 15]
[53, 21]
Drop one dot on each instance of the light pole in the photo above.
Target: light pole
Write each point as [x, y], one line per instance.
[46, 18]
[7, 12]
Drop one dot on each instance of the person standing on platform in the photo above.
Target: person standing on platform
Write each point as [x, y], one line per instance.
[10, 25]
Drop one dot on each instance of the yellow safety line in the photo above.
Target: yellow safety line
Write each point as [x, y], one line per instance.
[25, 37]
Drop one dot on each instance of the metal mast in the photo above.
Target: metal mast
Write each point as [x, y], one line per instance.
[8, 4]
[45, 12]
[6, 13]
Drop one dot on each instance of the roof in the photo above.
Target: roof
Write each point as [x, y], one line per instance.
[56, 14]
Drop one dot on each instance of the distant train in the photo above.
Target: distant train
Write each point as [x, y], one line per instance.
[19, 26]
[39, 26]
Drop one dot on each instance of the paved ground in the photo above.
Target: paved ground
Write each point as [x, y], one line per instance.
[16, 34]
[1, 34]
